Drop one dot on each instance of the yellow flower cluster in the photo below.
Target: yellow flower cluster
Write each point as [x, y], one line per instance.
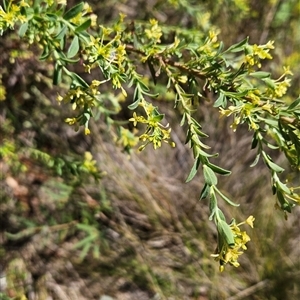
[280, 88]
[155, 132]
[230, 253]
[256, 53]
[89, 163]
[154, 33]
[80, 97]
[12, 15]
[127, 139]
[87, 11]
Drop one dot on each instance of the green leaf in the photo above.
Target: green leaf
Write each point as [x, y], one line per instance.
[271, 164]
[201, 134]
[205, 191]
[270, 83]
[255, 161]
[46, 53]
[260, 74]
[225, 198]
[274, 167]
[209, 176]
[254, 141]
[23, 29]
[51, 17]
[221, 101]
[218, 169]
[182, 120]
[57, 74]
[134, 105]
[69, 60]
[74, 47]
[74, 11]
[5, 4]
[294, 104]
[77, 80]
[203, 153]
[238, 47]
[221, 215]
[274, 147]
[284, 204]
[282, 187]
[62, 33]
[83, 26]
[194, 169]
[226, 232]
[158, 118]
[212, 203]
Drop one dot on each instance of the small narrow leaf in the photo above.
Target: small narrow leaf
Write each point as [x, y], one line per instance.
[225, 198]
[77, 80]
[158, 118]
[74, 47]
[205, 192]
[283, 187]
[274, 167]
[294, 104]
[209, 176]
[83, 26]
[270, 83]
[62, 33]
[238, 47]
[74, 11]
[218, 169]
[46, 53]
[194, 169]
[220, 101]
[254, 141]
[203, 153]
[69, 60]
[201, 134]
[221, 215]
[51, 17]
[134, 105]
[23, 29]
[226, 232]
[260, 74]
[285, 205]
[57, 74]
[182, 120]
[271, 164]
[255, 161]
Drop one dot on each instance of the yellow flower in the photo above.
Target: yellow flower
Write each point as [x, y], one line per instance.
[93, 20]
[281, 87]
[71, 121]
[154, 33]
[230, 253]
[287, 71]
[59, 98]
[89, 163]
[250, 221]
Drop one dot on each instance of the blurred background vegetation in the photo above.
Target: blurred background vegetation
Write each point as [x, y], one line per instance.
[138, 232]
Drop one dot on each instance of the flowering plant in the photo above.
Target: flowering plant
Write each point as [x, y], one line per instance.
[192, 67]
